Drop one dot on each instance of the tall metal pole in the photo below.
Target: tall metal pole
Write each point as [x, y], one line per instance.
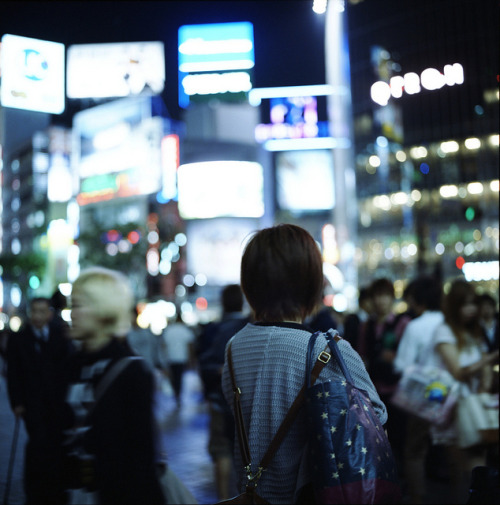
[340, 119]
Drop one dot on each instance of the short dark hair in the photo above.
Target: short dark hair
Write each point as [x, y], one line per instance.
[427, 292]
[382, 286]
[232, 298]
[282, 273]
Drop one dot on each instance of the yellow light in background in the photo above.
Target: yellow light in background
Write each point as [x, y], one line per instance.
[401, 156]
[450, 146]
[494, 185]
[475, 188]
[416, 195]
[399, 198]
[382, 202]
[374, 161]
[448, 191]
[472, 143]
[418, 152]
[15, 323]
[493, 140]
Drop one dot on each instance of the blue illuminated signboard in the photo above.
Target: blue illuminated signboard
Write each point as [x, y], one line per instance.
[215, 59]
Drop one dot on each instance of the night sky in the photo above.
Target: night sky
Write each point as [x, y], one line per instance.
[289, 36]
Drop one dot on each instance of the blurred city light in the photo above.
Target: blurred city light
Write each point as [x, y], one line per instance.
[450, 146]
[401, 156]
[418, 152]
[448, 191]
[475, 188]
[472, 143]
[493, 140]
[319, 6]
[15, 323]
[481, 270]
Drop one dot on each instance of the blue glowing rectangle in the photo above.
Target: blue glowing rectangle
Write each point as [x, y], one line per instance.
[215, 59]
[216, 47]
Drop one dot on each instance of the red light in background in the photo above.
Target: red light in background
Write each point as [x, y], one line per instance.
[133, 237]
[201, 303]
[460, 262]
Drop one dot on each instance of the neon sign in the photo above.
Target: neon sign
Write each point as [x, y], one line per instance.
[411, 83]
[215, 59]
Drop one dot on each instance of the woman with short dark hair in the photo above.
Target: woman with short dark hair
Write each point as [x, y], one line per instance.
[282, 279]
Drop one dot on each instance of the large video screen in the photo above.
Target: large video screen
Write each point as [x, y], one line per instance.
[221, 189]
[305, 181]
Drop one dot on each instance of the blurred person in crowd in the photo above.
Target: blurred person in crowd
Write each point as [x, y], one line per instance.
[354, 322]
[59, 302]
[323, 318]
[220, 445]
[146, 344]
[488, 319]
[282, 280]
[378, 345]
[457, 346]
[111, 436]
[36, 356]
[179, 348]
[426, 294]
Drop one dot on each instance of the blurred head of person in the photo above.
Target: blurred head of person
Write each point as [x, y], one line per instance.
[426, 292]
[382, 291]
[460, 310]
[487, 307]
[232, 299]
[365, 299]
[282, 274]
[101, 304]
[40, 312]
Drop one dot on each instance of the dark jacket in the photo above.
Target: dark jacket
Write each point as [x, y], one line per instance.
[34, 379]
[122, 434]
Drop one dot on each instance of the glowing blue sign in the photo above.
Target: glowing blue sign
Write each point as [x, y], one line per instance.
[215, 59]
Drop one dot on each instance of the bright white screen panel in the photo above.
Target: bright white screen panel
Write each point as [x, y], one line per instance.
[221, 189]
[115, 69]
[304, 180]
[32, 74]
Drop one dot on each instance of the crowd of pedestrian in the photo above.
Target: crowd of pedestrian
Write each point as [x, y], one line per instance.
[86, 391]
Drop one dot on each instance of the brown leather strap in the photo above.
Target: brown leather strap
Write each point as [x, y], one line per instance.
[238, 414]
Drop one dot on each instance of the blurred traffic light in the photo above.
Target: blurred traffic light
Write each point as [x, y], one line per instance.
[472, 213]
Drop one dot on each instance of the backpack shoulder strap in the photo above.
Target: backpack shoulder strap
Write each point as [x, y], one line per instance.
[115, 370]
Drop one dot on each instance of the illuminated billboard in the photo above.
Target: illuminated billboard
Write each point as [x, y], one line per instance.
[117, 150]
[221, 189]
[304, 180]
[115, 69]
[294, 118]
[215, 59]
[32, 74]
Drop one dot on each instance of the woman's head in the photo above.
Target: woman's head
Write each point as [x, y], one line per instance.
[460, 308]
[282, 274]
[101, 302]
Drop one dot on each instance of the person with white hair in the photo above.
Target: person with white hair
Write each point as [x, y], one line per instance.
[111, 438]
